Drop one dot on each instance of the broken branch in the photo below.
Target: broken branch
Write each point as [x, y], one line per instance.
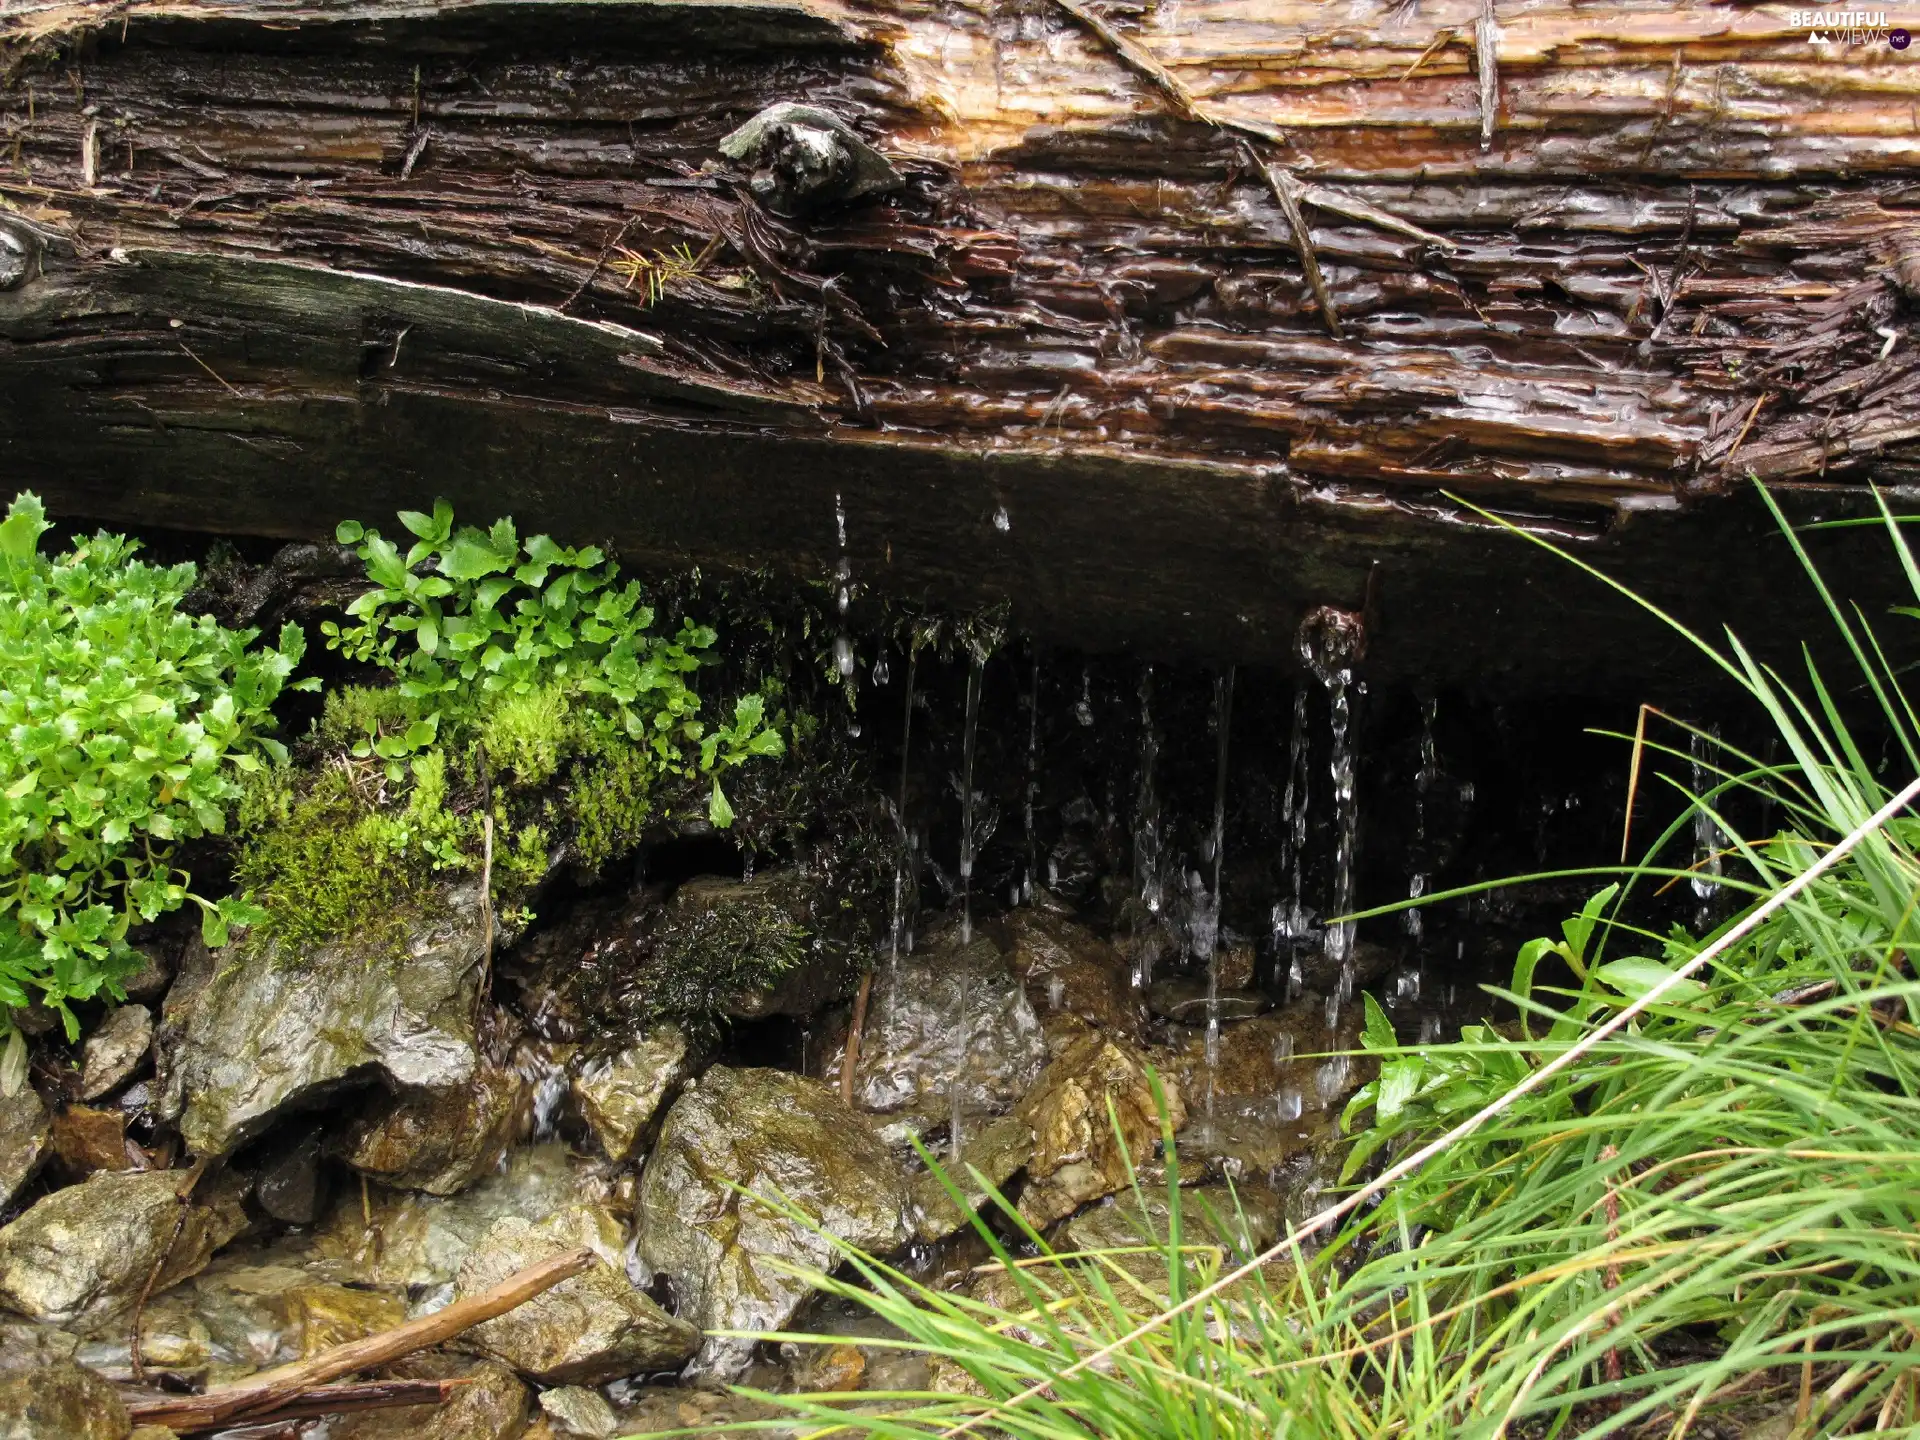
[177, 1411]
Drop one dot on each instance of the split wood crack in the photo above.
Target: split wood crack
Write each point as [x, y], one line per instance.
[1288, 191]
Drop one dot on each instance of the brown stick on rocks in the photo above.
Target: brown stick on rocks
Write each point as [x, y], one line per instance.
[850, 1057]
[176, 1411]
[264, 1396]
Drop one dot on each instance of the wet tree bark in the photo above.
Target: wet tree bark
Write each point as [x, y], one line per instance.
[1183, 316]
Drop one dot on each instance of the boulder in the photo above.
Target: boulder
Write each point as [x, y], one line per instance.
[244, 1037]
[441, 1141]
[1068, 970]
[725, 1252]
[921, 1007]
[290, 1186]
[1076, 1156]
[576, 1410]
[25, 1137]
[62, 1401]
[115, 1051]
[1271, 1056]
[81, 1256]
[590, 1328]
[618, 1095]
[996, 1151]
[492, 1405]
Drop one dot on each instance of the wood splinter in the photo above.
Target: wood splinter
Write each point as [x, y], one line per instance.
[1288, 191]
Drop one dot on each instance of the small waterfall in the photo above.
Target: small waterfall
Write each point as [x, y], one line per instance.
[1331, 641]
[1290, 920]
[1206, 926]
[970, 736]
[1705, 880]
[842, 595]
[1146, 839]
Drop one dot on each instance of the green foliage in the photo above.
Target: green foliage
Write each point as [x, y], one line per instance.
[129, 726]
[707, 957]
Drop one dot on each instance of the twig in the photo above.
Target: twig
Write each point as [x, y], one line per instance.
[1136, 58]
[1633, 775]
[1287, 191]
[1440, 40]
[316, 1401]
[264, 1394]
[184, 1193]
[209, 369]
[1359, 1196]
[1610, 1278]
[1486, 55]
[599, 264]
[1752, 415]
[850, 1057]
[1354, 208]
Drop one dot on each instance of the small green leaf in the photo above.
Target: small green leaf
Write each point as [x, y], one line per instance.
[349, 532]
[718, 810]
[1636, 975]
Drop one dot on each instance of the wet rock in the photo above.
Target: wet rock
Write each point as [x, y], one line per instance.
[591, 1328]
[25, 1140]
[576, 1410]
[996, 1151]
[823, 1368]
[765, 1131]
[1068, 970]
[619, 1095]
[1271, 1056]
[81, 1256]
[1319, 974]
[909, 1051]
[150, 981]
[291, 1186]
[1241, 1222]
[62, 1401]
[803, 157]
[86, 1140]
[26, 1346]
[1076, 1155]
[242, 1040]
[492, 1405]
[1184, 1001]
[441, 1140]
[115, 1051]
[318, 1316]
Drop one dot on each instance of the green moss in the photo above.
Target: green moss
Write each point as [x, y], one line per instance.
[353, 712]
[318, 860]
[707, 954]
[612, 799]
[528, 735]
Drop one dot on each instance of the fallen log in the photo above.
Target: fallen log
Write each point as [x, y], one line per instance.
[265, 1396]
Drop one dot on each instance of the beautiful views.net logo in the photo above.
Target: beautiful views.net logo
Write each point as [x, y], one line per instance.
[1849, 27]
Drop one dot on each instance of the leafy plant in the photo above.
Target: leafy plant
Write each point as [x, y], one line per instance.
[129, 726]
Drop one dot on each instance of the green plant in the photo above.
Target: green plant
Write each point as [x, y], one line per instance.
[129, 726]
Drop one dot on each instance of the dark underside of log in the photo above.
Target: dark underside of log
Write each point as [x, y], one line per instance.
[282, 263]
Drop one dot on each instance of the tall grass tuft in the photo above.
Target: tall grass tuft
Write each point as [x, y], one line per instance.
[1708, 1215]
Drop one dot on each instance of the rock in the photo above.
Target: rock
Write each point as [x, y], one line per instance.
[1241, 1222]
[1268, 1056]
[576, 1410]
[1068, 970]
[1184, 1001]
[318, 1316]
[619, 1095]
[1319, 974]
[290, 1186]
[591, 1328]
[62, 1401]
[115, 1051]
[492, 1405]
[909, 1051]
[26, 1346]
[441, 1140]
[421, 1241]
[1076, 1156]
[155, 974]
[86, 1140]
[765, 1131]
[243, 1038]
[25, 1137]
[152, 1432]
[996, 1149]
[802, 157]
[81, 1256]
[828, 1368]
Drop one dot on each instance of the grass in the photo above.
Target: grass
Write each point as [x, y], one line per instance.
[1681, 1194]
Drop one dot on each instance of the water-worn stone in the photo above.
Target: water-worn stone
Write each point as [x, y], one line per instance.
[86, 1139]
[576, 1410]
[995, 1150]
[491, 1405]
[243, 1038]
[25, 1345]
[588, 1329]
[1268, 1056]
[116, 1050]
[441, 1140]
[619, 1095]
[25, 1136]
[80, 1256]
[410, 1239]
[1076, 1155]
[911, 1046]
[1241, 1222]
[62, 1401]
[290, 1186]
[765, 1131]
[1068, 970]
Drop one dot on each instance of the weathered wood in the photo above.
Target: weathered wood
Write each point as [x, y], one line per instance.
[185, 1414]
[302, 261]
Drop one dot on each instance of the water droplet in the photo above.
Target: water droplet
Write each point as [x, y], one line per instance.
[1282, 1049]
[1001, 520]
[843, 656]
[840, 520]
[1287, 1106]
[1056, 992]
[881, 671]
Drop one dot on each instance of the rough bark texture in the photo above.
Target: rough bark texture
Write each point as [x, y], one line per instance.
[298, 261]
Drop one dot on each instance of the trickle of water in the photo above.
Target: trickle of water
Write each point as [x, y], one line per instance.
[1002, 521]
[1706, 835]
[843, 656]
[1330, 642]
[1290, 921]
[882, 672]
[903, 850]
[1146, 837]
[840, 519]
[1429, 1029]
[1416, 926]
[969, 737]
[1287, 1106]
[1056, 992]
[1333, 1011]
[1033, 777]
[1296, 979]
[1217, 846]
[1283, 1049]
[1330, 1079]
[1406, 987]
[1083, 707]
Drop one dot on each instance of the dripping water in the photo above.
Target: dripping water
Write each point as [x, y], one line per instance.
[1146, 839]
[903, 837]
[1706, 835]
[842, 595]
[1290, 922]
[1423, 779]
[1330, 642]
[1207, 933]
[968, 740]
[1033, 780]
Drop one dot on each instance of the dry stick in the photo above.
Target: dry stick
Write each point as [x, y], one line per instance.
[1440, 40]
[1140, 62]
[175, 1411]
[260, 1396]
[1486, 47]
[1532, 1081]
[184, 1194]
[1633, 775]
[1752, 415]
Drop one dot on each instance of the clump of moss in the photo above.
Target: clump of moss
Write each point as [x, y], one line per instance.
[316, 857]
[612, 799]
[713, 948]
